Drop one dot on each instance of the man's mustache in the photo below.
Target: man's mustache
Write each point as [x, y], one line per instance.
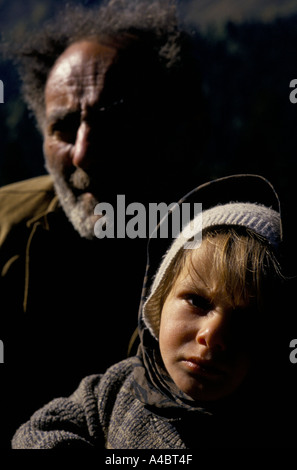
[79, 179]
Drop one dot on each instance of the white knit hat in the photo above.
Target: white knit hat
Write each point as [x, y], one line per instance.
[261, 219]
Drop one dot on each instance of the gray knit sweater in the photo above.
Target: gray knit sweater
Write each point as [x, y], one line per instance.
[103, 413]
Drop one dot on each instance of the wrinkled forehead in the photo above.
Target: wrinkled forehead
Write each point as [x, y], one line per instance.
[83, 62]
[78, 77]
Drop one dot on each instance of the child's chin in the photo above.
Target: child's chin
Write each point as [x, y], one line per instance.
[206, 393]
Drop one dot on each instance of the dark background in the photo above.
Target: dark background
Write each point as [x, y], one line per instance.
[248, 56]
[247, 52]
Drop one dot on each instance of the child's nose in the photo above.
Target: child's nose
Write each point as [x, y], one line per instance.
[212, 333]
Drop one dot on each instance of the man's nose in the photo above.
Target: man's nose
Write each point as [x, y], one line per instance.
[212, 333]
[81, 151]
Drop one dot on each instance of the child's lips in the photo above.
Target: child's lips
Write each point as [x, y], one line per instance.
[201, 367]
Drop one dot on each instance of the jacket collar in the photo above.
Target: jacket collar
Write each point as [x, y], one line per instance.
[42, 217]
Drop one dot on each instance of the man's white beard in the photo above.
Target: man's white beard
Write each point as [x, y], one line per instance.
[79, 210]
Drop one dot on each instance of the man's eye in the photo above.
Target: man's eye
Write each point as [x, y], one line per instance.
[66, 129]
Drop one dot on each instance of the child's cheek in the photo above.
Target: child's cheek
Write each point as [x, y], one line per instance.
[174, 331]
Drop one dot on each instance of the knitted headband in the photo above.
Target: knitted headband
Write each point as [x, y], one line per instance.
[261, 219]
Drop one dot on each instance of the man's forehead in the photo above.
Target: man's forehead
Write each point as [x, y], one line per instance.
[80, 67]
[81, 58]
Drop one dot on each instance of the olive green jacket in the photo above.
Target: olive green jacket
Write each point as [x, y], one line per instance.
[24, 207]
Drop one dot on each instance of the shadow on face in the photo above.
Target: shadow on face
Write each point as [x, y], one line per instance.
[118, 116]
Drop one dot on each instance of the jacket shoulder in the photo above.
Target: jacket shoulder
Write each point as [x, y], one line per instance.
[23, 201]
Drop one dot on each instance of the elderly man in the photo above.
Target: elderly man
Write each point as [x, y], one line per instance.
[114, 93]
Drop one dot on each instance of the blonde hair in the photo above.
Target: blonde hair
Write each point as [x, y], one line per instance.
[244, 264]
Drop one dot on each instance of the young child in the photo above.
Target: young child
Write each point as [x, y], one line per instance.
[198, 378]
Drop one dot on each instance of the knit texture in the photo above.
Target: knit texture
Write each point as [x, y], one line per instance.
[103, 413]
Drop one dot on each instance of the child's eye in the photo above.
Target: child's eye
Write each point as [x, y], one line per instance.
[199, 302]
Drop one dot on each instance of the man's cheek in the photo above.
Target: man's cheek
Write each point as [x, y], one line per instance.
[57, 155]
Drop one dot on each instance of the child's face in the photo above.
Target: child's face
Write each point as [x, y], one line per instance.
[202, 335]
